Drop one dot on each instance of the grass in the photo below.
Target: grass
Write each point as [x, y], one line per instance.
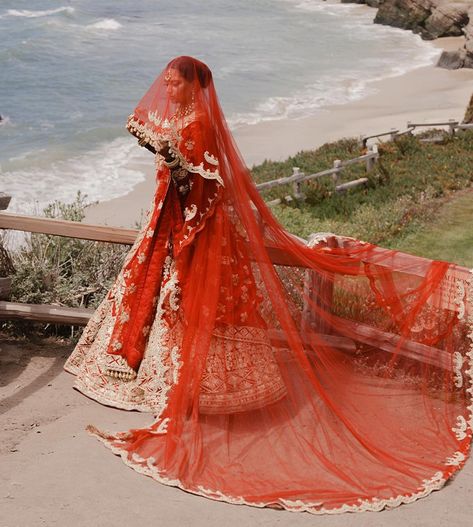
[407, 188]
[448, 237]
[59, 270]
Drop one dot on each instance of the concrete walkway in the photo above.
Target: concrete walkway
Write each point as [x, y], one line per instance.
[54, 474]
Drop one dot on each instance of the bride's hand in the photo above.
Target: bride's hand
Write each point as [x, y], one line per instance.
[163, 149]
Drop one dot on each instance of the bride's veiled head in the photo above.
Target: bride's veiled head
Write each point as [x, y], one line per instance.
[184, 87]
[183, 93]
[181, 76]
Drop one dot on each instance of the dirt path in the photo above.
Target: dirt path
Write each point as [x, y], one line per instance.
[53, 474]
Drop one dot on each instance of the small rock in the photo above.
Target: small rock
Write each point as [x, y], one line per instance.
[452, 60]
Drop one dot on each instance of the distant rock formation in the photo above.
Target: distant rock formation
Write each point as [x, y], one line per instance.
[431, 19]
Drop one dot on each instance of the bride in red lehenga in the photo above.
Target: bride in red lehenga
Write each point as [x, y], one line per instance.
[327, 378]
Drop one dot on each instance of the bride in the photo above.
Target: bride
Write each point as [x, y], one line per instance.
[278, 374]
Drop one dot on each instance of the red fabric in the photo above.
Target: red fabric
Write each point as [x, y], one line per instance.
[335, 379]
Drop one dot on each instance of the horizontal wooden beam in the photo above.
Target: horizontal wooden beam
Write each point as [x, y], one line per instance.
[451, 122]
[366, 138]
[352, 184]
[300, 176]
[398, 345]
[348, 162]
[361, 332]
[45, 313]
[415, 265]
[73, 229]
[70, 229]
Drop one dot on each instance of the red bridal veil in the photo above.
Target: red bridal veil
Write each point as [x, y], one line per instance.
[329, 377]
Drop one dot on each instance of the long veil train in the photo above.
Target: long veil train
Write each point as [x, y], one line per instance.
[328, 377]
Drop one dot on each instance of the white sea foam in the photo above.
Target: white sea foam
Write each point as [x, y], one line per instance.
[5, 120]
[308, 101]
[26, 154]
[328, 8]
[37, 14]
[107, 24]
[108, 171]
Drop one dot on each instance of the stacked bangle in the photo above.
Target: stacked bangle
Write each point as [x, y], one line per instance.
[173, 163]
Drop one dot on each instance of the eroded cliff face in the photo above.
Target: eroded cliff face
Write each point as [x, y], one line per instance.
[431, 19]
[468, 119]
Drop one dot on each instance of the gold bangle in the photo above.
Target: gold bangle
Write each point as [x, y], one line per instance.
[172, 164]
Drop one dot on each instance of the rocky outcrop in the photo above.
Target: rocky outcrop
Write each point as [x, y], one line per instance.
[405, 14]
[371, 3]
[431, 19]
[463, 57]
[447, 21]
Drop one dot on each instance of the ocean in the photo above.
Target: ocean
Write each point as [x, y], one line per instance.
[72, 71]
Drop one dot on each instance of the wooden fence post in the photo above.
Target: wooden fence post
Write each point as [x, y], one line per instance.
[296, 186]
[4, 200]
[337, 164]
[451, 126]
[372, 149]
[318, 291]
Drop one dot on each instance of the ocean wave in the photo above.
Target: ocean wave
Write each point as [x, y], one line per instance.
[327, 8]
[4, 120]
[303, 103]
[106, 172]
[37, 14]
[107, 24]
[26, 154]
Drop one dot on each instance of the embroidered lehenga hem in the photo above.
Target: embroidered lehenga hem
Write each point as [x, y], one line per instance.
[147, 467]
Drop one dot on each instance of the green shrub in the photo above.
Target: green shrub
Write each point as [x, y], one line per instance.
[63, 271]
[408, 183]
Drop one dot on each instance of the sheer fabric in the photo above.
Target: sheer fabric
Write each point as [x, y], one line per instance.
[329, 377]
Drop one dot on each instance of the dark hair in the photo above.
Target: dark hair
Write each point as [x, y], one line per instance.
[189, 67]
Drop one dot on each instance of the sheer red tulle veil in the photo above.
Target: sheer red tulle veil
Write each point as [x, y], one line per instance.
[326, 378]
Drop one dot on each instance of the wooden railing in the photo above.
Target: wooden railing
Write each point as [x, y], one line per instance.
[318, 289]
[394, 133]
[70, 229]
[298, 177]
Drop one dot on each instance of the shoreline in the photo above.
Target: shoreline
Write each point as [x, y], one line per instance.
[424, 94]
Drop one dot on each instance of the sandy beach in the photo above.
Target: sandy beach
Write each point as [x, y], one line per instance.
[427, 94]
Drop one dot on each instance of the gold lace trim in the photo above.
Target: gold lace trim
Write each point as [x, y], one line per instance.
[148, 468]
[173, 135]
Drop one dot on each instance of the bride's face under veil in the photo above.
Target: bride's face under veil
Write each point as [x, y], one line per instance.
[178, 88]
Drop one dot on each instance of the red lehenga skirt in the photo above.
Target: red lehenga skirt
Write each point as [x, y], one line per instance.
[240, 372]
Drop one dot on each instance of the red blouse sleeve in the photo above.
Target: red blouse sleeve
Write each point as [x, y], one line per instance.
[196, 151]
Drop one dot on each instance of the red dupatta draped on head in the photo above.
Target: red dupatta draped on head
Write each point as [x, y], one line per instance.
[327, 378]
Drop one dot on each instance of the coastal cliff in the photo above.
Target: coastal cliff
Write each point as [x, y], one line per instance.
[431, 19]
